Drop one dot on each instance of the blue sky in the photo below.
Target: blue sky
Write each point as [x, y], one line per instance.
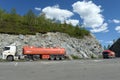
[101, 17]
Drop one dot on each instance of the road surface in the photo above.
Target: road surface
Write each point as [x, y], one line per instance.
[61, 70]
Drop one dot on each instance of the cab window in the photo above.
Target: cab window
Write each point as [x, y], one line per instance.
[6, 48]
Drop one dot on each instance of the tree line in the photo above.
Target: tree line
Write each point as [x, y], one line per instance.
[29, 23]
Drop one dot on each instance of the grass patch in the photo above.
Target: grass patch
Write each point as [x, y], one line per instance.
[75, 57]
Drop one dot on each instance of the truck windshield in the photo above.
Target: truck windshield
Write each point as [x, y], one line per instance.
[6, 48]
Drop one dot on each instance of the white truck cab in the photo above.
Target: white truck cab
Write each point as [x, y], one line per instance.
[9, 53]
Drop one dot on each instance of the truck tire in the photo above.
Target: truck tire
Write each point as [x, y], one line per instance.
[27, 59]
[57, 57]
[52, 57]
[62, 57]
[10, 58]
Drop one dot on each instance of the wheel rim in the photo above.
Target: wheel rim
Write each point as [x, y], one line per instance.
[10, 58]
[52, 57]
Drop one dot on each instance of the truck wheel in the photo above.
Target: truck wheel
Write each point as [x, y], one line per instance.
[10, 58]
[62, 58]
[57, 58]
[27, 58]
[52, 57]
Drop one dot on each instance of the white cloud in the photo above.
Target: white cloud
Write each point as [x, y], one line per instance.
[117, 29]
[106, 42]
[72, 21]
[56, 13]
[103, 28]
[90, 13]
[116, 21]
[37, 8]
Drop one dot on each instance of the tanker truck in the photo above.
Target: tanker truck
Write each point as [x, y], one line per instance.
[32, 53]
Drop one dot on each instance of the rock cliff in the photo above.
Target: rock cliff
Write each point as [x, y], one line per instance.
[87, 47]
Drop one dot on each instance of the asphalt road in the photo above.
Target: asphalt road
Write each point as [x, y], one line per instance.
[61, 70]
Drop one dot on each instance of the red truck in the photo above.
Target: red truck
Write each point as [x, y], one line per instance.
[114, 48]
[32, 52]
[108, 54]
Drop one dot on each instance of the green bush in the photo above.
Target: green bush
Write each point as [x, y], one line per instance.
[75, 57]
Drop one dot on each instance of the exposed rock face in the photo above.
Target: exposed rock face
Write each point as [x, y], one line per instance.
[83, 48]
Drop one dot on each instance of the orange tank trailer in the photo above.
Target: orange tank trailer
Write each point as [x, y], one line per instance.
[46, 53]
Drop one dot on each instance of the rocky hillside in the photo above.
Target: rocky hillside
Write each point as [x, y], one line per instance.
[87, 47]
